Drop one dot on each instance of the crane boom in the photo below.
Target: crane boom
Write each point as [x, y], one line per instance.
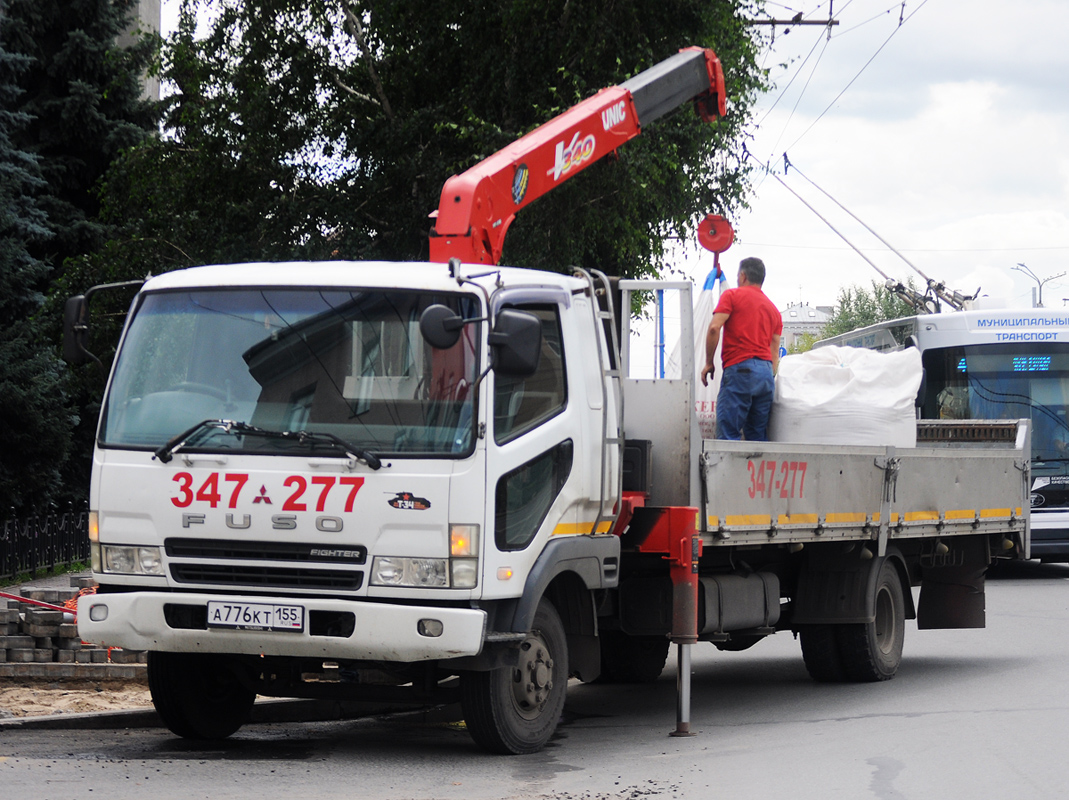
[478, 206]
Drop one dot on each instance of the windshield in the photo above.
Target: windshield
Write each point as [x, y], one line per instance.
[1006, 381]
[351, 364]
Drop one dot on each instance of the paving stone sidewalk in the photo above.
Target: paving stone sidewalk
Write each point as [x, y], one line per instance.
[43, 643]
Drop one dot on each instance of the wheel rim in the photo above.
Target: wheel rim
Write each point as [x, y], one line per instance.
[886, 634]
[532, 680]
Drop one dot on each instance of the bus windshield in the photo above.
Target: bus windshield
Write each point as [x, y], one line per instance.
[346, 365]
[1005, 381]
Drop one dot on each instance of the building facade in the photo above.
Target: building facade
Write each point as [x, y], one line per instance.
[802, 318]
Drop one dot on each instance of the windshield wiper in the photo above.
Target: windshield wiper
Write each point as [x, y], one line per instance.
[176, 443]
[168, 450]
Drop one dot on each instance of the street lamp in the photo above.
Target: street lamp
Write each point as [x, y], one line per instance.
[1037, 279]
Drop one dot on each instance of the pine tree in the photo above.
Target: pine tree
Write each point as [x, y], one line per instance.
[34, 426]
[82, 93]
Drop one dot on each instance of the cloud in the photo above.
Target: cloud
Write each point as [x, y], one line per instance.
[950, 144]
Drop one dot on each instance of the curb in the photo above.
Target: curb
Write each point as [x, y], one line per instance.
[264, 711]
[79, 672]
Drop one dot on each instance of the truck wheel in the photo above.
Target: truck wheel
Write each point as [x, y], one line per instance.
[198, 696]
[820, 652]
[872, 651]
[515, 710]
[631, 659]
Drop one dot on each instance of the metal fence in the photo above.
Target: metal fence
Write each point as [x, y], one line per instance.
[40, 543]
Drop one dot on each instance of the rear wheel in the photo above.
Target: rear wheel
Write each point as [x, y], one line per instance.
[872, 651]
[820, 652]
[861, 652]
[631, 659]
[198, 696]
[516, 709]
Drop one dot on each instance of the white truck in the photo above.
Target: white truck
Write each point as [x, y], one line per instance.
[437, 482]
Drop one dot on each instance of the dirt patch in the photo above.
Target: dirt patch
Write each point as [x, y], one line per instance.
[71, 697]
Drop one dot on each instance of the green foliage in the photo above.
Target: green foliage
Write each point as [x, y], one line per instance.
[320, 131]
[35, 435]
[803, 343]
[71, 103]
[21, 220]
[34, 425]
[857, 308]
[81, 95]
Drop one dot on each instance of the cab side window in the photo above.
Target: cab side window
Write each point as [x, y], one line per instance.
[521, 404]
[524, 496]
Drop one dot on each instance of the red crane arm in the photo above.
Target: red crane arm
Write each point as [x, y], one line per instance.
[477, 207]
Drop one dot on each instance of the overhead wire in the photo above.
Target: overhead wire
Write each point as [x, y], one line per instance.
[790, 82]
[787, 164]
[902, 21]
[797, 72]
[937, 288]
[820, 216]
[827, 38]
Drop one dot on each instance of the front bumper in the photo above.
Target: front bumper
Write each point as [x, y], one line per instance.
[1050, 535]
[383, 632]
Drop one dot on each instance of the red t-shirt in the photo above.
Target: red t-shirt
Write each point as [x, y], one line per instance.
[752, 322]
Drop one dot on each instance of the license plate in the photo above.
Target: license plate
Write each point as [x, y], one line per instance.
[255, 616]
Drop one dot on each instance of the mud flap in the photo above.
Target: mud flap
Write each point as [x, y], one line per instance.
[952, 585]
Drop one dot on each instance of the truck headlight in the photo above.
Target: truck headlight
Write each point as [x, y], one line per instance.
[459, 571]
[424, 573]
[128, 560]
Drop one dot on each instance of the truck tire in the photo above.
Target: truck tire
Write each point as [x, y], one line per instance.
[631, 659]
[198, 696]
[515, 710]
[820, 652]
[872, 651]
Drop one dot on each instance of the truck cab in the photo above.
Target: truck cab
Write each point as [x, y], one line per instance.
[288, 468]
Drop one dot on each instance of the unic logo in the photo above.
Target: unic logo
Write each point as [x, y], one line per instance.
[577, 152]
[613, 115]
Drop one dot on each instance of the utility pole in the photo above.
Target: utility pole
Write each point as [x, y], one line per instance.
[1023, 268]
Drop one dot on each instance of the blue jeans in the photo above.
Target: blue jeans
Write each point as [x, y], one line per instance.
[744, 401]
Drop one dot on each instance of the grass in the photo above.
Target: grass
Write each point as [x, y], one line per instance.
[27, 577]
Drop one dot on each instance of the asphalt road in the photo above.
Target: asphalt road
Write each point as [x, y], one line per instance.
[971, 714]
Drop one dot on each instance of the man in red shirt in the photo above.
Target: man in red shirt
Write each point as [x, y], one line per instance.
[752, 327]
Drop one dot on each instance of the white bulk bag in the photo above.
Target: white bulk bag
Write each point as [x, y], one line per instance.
[847, 395]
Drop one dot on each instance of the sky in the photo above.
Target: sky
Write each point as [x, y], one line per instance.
[947, 134]
[941, 125]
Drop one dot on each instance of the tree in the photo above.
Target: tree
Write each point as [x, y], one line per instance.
[324, 131]
[857, 308]
[81, 93]
[36, 426]
[803, 343]
[75, 97]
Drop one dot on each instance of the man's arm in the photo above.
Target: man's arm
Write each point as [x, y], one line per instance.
[712, 339]
[775, 353]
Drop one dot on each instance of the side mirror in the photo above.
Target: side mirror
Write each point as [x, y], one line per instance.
[440, 326]
[76, 331]
[516, 343]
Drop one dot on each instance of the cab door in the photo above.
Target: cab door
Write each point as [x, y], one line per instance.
[533, 487]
